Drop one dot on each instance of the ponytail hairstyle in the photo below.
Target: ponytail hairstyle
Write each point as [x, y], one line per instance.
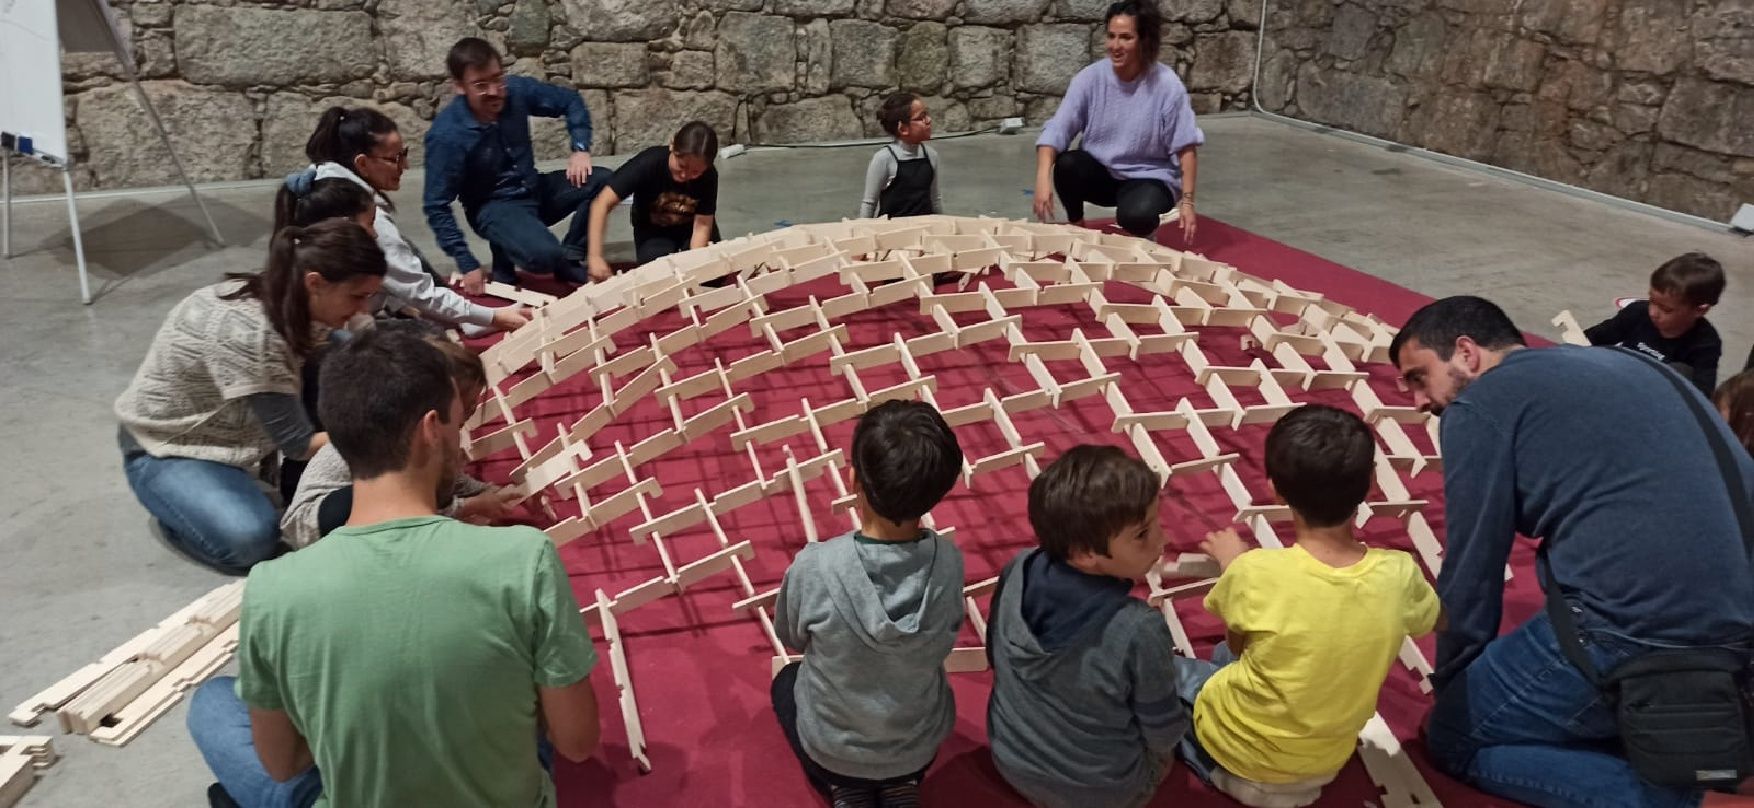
[344, 133]
[895, 111]
[1147, 20]
[304, 200]
[696, 139]
[337, 249]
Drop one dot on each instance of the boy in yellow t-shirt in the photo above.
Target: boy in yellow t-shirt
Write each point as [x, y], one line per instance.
[1312, 628]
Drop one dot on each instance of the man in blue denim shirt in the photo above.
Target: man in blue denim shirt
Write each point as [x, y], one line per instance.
[479, 151]
[1591, 451]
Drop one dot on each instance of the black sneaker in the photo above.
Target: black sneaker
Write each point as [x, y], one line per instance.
[844, 797]
[218, 798]
[901, 795]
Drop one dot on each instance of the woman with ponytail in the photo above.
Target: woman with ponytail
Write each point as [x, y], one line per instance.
[218, 392]
[1139, 133]
[363, 146]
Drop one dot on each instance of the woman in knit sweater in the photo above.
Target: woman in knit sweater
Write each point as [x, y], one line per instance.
[1139, 133]
[218, 392]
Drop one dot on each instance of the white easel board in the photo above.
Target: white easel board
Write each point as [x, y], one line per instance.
[30, 77]
[31, 41]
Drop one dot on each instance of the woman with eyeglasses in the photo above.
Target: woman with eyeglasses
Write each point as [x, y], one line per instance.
[675, 192]
[1139, 133]
[363, 145]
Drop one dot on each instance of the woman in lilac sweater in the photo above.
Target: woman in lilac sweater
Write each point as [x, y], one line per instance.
[1139, 133]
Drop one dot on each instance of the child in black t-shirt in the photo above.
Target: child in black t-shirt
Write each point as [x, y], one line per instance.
[675, 192]
[1671, 326]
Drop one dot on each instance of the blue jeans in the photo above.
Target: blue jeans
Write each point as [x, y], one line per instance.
[517, 229]
[216, 513]
[1521, 722]
[219, 722]
[1191, 678]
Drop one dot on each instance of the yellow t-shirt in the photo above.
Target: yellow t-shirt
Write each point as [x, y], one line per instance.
[1320, 641]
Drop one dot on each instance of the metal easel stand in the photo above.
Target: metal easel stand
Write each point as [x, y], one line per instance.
[72, 218]
[165, 138]
[66, 170]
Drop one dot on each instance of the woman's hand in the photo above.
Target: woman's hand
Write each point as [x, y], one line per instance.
[600, 269]
[472, 282]
[1044, 200]
[1188, 219]
[510, 318]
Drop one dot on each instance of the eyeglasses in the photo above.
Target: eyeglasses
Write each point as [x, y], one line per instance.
[397, 159]
[486, 84]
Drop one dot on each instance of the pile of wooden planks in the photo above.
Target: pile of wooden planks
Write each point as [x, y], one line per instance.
[113, 699]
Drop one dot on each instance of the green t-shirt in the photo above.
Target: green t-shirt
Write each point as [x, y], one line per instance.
[408, 654]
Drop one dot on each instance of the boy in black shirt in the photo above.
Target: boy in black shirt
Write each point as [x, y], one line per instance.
[1671, 326]
[675, 192]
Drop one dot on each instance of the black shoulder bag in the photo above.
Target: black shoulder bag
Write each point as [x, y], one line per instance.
[1683, 713]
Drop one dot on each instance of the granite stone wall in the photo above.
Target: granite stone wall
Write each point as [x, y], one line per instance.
[1647, 99]
[1651, 100]
[240, 84]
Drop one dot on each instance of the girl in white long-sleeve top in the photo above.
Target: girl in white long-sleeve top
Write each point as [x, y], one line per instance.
[364, 146]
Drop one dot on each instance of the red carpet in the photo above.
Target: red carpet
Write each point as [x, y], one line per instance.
[701, 671]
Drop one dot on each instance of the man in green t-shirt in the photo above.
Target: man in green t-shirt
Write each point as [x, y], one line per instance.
[409, 658]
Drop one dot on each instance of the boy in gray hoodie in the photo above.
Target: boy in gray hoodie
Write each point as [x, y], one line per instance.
[1084, 711]
[876, 612]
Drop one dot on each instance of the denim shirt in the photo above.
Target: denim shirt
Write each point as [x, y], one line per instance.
[478, 162]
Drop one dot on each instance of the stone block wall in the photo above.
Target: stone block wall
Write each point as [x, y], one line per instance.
[1651, 100]
[240, 83]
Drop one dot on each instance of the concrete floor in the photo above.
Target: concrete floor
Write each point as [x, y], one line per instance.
[81, 573]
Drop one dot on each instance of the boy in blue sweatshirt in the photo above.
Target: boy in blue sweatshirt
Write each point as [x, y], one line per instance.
[1084, 711]
[876, 612]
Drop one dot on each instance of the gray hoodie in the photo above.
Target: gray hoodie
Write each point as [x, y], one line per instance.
[1093, 722]
[875, 621]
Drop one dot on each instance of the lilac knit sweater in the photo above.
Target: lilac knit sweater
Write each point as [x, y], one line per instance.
[1136, 128]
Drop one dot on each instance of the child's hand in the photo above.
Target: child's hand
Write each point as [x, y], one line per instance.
[1224, 546]
[599, 268]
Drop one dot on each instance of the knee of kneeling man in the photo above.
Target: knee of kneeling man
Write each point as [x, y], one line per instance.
[547, 260]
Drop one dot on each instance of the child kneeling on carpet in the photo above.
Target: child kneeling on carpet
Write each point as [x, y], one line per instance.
[1671, 327]
[1084, 710]
[324, 498]
[902, 179]
[1312, 628]
[875, 613]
